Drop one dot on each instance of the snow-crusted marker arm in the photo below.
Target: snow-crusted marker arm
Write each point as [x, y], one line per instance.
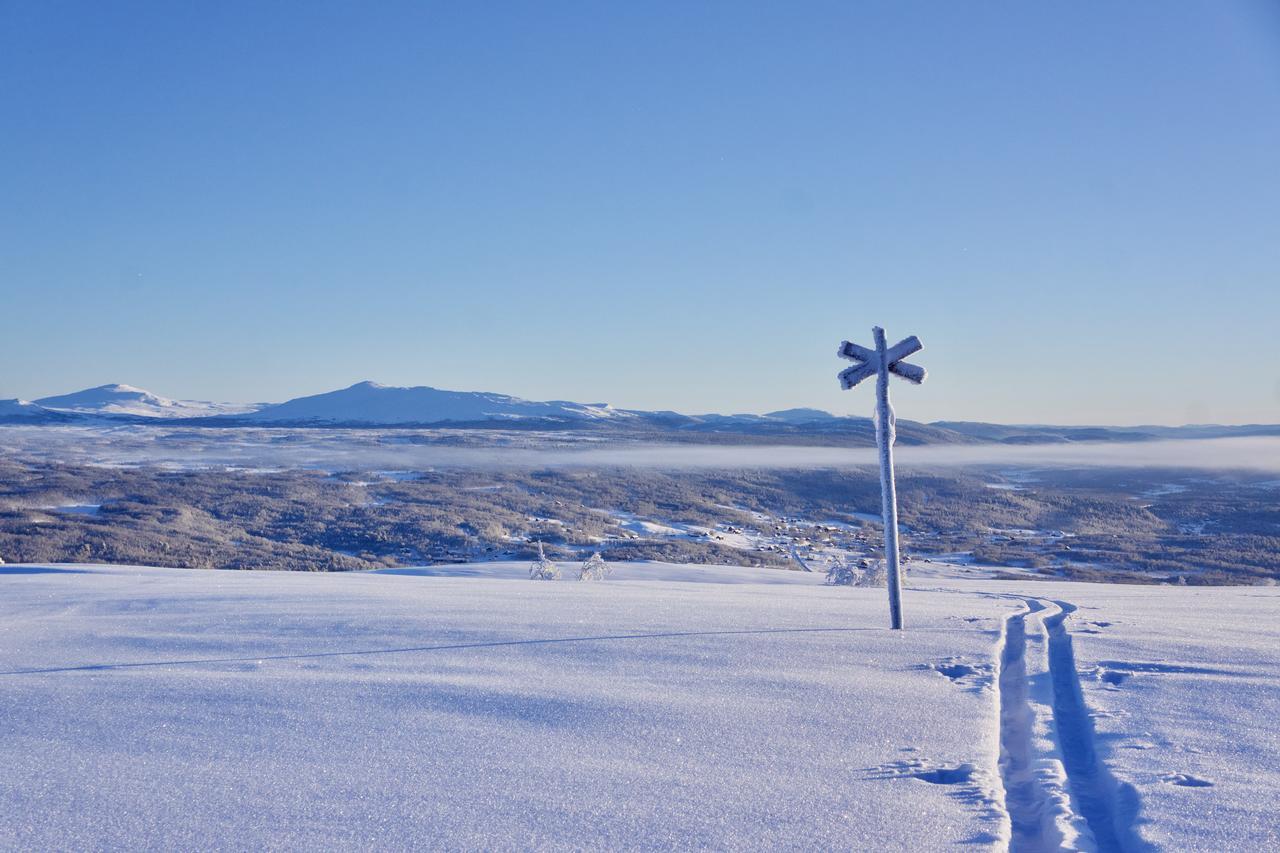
[880, 362]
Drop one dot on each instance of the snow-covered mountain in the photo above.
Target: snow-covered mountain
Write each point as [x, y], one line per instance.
[800, 416]
[371, 403]
[135, 402]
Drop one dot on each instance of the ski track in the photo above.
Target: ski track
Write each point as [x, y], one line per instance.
[1107, 806]
[1026, 801]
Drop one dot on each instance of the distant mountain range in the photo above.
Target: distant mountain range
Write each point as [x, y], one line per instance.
[368, 404]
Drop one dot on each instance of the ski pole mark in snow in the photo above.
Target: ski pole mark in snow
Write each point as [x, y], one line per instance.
[1131, 667]
[1115, 673]
[967, 783]
[934, 774]
[1186, 780]
[1114, 677]
[975, 676]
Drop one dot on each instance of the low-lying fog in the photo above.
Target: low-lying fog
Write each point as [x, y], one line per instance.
[415, 450]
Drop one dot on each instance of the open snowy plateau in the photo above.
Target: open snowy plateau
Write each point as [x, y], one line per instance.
[669, 706]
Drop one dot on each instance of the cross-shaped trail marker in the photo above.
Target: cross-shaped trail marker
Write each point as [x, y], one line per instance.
[880, 362]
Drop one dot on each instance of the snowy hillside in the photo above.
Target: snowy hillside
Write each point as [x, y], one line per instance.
[371, 403]
[800, 416]
[135, 402]
[26, 412]
[671, 706]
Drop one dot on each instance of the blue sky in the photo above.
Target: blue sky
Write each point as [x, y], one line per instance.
[1076, 206]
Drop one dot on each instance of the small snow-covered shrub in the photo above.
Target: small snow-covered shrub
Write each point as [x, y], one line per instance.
[841, 573]
[873, 575]
[543, 569]
[594, 569]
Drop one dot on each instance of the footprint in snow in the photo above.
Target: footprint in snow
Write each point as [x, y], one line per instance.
[1103, 714]
[1186, 780]
[1113, 677]
[947, 775]
[926, 771]
[975, 675]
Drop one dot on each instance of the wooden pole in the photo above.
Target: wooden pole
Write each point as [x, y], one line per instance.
[885, 434]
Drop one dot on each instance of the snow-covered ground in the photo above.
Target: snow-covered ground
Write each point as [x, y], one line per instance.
[1184, 687]
[670, 706]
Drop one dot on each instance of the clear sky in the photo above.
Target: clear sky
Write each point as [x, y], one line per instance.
[1076, 206]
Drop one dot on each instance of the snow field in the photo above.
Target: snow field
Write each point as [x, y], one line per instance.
[154, 708]
[669, 706]
[1138, 718]
[1183, 689]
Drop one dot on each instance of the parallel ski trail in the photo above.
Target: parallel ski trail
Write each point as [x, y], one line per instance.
[1026, 802]
[1107, 806]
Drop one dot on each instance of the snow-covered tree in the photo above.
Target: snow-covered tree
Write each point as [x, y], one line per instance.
[543, 569]
[841, 573]
[873, 575]
[594, 569]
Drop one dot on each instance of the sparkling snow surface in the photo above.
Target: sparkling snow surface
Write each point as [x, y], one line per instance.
[1185, 688]
[671, 706]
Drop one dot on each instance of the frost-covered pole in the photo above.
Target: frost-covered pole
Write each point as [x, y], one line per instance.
[880, 362]
[885, 434]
